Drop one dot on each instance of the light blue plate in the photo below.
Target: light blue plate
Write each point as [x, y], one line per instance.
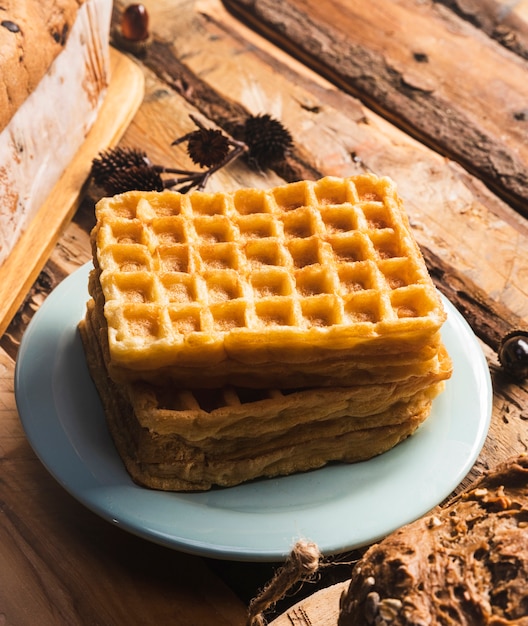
[340, 507]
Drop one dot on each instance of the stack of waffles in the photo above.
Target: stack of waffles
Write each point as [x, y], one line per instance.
[233, 336]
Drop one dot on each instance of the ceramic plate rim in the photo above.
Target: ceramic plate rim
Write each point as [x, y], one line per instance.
[49, 352]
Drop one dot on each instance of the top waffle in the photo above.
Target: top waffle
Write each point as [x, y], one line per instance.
[305, 283]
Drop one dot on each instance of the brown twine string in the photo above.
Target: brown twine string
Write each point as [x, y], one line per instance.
[302, 563]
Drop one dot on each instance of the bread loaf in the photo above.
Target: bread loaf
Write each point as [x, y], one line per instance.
[464, 565]
[32, 34]
[54, 73]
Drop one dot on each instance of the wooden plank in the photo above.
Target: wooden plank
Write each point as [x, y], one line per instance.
[16, 273]
[420, 65]
[321, 608]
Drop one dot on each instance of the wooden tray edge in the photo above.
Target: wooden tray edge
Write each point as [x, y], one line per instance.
[28, 257]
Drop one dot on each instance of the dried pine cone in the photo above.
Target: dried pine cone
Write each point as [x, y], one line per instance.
[267, 140]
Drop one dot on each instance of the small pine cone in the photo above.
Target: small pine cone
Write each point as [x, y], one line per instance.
[136, 178]
[267, 140]
[207, 147]
[112, 161]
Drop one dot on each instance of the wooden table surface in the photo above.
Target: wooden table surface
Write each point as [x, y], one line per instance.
[432, 94]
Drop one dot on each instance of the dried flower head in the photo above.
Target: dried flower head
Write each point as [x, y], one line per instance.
[137, 177]
[267, 140]
[124, 169]
[207, 147]
[111, 161]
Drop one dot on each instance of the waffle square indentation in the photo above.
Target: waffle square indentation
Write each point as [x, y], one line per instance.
[174, 258]
[178, 287]
[274, 282]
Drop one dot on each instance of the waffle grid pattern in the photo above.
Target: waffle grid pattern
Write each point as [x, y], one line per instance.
[330, 254]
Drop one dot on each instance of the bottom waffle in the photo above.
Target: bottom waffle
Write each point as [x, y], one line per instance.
[176, 440]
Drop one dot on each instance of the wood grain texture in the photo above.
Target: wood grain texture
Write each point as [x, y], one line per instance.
[430, 72]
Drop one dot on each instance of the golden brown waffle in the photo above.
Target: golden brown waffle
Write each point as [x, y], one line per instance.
[301, 285]
[191, 440]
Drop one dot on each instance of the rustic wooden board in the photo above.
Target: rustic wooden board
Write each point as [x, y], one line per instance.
[419, 64]
[124, 95]
[321, 609]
